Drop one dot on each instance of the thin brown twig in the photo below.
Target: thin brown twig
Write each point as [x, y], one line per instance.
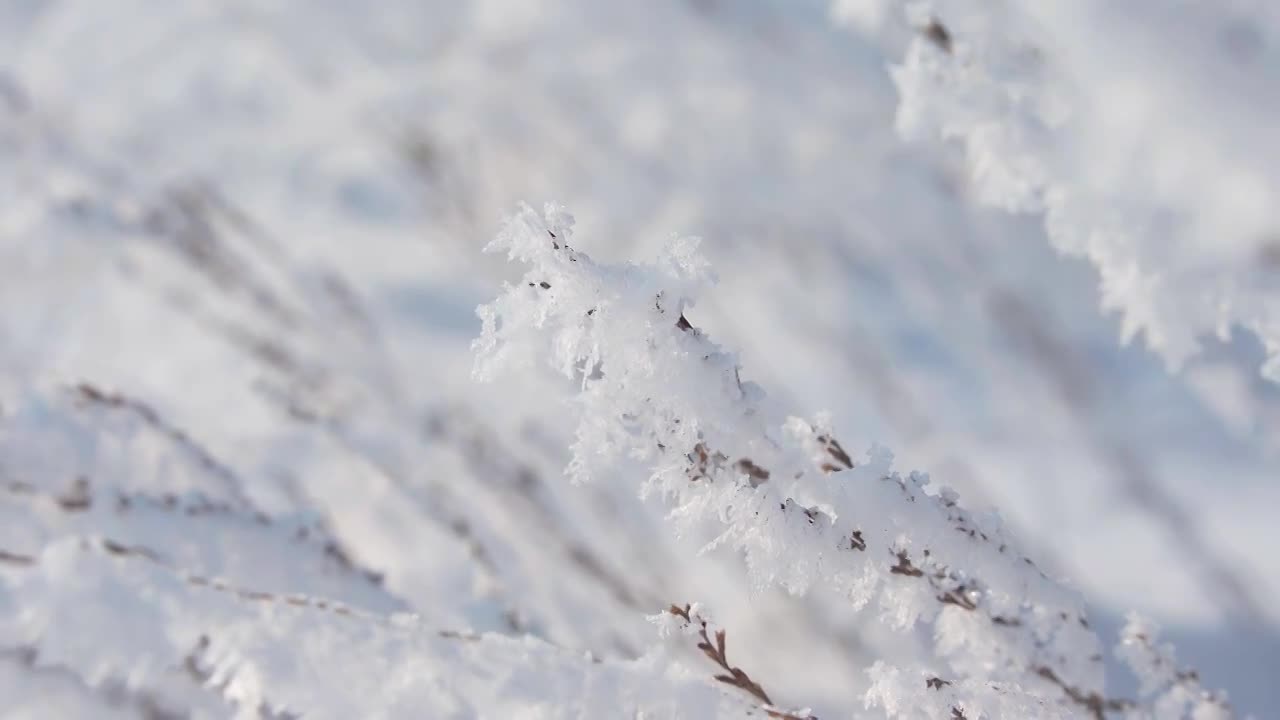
[732, 675]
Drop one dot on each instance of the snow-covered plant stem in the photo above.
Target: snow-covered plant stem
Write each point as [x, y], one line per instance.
[655, 390]
[1128, 143]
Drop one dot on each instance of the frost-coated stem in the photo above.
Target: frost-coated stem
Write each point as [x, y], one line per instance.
[655, 390]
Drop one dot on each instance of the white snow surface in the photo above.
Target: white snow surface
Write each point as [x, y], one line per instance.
[245, 470]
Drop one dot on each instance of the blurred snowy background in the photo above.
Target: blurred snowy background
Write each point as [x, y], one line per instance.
[240, 255]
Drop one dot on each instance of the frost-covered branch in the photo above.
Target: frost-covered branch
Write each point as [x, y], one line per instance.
[1168, 691]
[138, 572]
[1149, 149]
[274, 655]
[655, 389]
[89, 462]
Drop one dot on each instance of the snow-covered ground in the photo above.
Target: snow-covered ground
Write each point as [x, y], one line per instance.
[240, 256]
